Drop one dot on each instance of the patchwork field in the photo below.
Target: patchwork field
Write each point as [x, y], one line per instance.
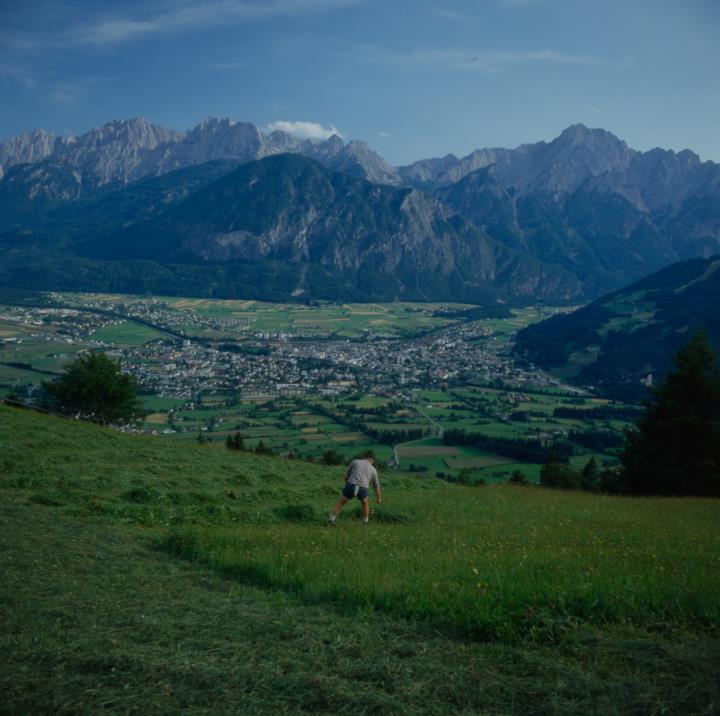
[340, 320]
[412, 450]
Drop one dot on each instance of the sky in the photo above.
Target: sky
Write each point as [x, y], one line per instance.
[413, 78]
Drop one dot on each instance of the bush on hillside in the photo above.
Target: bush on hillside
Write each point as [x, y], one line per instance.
[234, 442]
[95, 388]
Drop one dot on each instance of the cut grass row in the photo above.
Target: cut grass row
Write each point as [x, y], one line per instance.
[497, 561]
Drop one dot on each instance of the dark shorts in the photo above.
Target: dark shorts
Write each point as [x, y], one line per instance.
[351, 491]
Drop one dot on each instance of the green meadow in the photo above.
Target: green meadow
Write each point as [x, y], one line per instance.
[126, 333]
[503, 563]
[147, 575]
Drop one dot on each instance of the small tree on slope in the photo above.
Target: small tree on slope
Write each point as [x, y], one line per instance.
[96, 388]
[675, 448]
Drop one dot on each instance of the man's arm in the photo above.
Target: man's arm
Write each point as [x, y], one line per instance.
[376, 487]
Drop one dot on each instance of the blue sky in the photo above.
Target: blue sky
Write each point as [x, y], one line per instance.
[413, 78]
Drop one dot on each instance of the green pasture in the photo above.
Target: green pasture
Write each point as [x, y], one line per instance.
[126, 333]
[506, 562]
[51, 357]
[155, 403]
[148, 575]
[11, 376]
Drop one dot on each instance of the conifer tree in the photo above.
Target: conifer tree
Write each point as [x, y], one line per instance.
[675, 448]
[235, 442]
[558, 474]
[590, 476]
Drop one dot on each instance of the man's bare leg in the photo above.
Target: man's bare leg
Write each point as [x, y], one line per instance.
[336, 510]
[366, 509]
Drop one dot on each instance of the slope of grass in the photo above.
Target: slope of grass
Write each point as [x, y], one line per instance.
[500, 562]
[270, 612]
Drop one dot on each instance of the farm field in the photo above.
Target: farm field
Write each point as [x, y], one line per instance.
[143, 574]
[349, 320]
[343, 321]
[308, 428]
[126, 333]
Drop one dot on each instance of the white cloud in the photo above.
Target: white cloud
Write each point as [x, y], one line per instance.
[384, 134]
[69, 93]
[468, 58]
[227, 66]
[191, 15]
[448, 14]
[104, 27]
[302, 130]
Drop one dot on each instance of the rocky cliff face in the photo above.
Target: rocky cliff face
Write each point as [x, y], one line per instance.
[589, 203]
[435, 173]
[289, 209]
[27, 148]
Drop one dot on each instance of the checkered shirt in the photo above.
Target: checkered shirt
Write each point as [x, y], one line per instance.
[362, 473]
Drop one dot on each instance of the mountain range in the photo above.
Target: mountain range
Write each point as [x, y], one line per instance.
[133, 205]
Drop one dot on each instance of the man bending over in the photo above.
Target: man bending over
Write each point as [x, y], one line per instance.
[358, 478]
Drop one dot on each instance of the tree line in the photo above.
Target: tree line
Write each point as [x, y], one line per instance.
[520, 449]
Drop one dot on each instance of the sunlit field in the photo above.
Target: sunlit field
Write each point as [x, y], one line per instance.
[498, 561]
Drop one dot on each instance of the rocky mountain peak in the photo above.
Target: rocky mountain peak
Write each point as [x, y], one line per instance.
[688, 158]
[128, 135]
[214, 124]
[333, 144]
[558, 168]
[578, 135]
[26, 148]
[278, 142]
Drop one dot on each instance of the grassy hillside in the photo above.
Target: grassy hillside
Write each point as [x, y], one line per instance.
[627, 335]
[141, 575]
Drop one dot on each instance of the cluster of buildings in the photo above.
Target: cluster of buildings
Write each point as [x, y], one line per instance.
[257, 364]
[286, 367]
